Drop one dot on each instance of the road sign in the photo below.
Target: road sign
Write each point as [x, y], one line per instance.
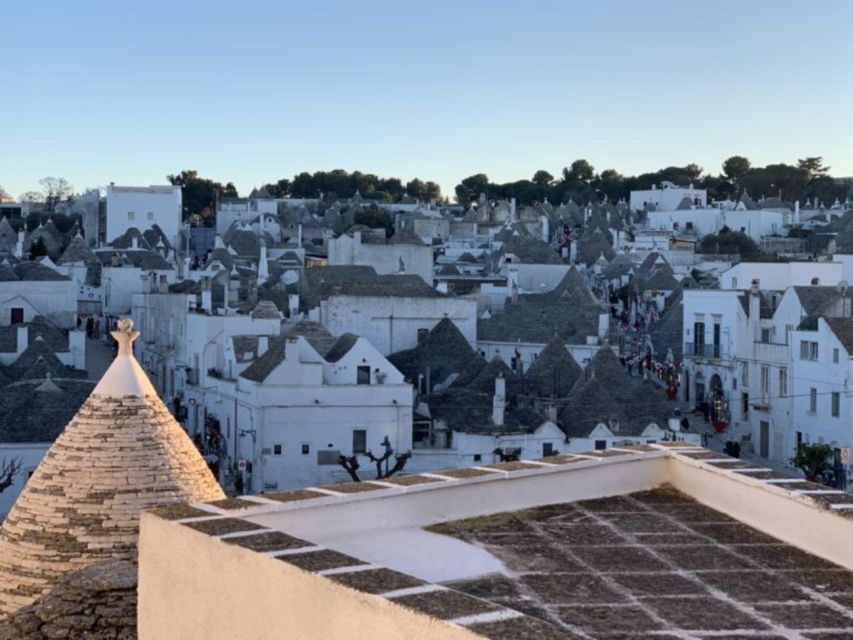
[241, 465]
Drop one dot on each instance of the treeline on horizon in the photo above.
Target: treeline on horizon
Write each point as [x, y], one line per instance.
[808, 179]
[580, 182]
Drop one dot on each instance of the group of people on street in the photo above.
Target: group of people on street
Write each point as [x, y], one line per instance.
[92, 324]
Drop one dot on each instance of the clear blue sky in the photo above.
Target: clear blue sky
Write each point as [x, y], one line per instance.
[440, 89]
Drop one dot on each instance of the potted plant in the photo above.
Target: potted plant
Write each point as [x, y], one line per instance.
[812, 459]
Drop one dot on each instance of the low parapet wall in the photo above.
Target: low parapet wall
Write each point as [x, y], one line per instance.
[252, 568]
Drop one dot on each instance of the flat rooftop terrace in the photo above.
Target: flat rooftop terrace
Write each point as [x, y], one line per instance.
[654, 564]
[662, 541]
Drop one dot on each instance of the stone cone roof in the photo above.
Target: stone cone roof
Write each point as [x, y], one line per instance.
[121, 454]
[554, 372]
[96, 602]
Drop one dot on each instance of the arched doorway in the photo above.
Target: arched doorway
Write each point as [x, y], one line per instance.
[716, 387]
[699, 387]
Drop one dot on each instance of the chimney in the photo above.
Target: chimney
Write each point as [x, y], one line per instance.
[512, 209]
[441, 287]
[217, 242]
[263, 267]
[573, 253]
[603, 325]
[797, 212]
[207, 300]
[513, 293]
[263, 345]
[299, 237]
[546, 230]
[134, 243]
[754, 302]
[23, 339]
[293, 304]
[499, 401]
[19, 245]
[428, 380]
[551, 411]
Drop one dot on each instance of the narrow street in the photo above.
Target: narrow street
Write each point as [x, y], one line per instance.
[98, 358]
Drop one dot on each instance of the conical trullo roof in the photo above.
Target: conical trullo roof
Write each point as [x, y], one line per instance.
[554, 371]
[122, 453]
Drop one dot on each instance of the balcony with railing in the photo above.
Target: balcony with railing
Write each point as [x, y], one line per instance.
[701, 350]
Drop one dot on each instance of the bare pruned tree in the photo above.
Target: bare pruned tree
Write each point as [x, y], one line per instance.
[351, 465]
[9, 469]
[55, 189]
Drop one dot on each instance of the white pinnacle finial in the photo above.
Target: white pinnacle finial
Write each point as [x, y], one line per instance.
[125, 336]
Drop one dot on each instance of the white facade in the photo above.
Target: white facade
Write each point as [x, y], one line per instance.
[243, 210]
[779, 276]
[391, 324]
[307, 412]
[472, 449]
[536, 278]
[715, 332]
[668, 197]
[143, 207]
[822, 393]
[525, 353]
[75, 356]
[703, 221]
[55, 300]
[411, 259]
[846, 260]
[185, 352]
[120, 284]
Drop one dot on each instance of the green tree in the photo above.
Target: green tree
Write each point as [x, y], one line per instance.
[735, 168]
[433, 191]
[612, 184]
[581, 171]
[542, 178]
[813, 166]
[375, 218]
[812, 459]
[199, 194]
[471, 188]
[416, 189]
[279, 189]
[727, 242]
[303, 186]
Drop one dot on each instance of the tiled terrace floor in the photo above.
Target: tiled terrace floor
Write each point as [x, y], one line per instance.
[656, 565]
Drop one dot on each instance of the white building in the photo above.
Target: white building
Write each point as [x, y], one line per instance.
[244, 210]
[755, 223]
[405, 253]
[779, 276]
[294, 412]
[187, 349]
[32, 289]
[142, 208]
[392, 323]
[715, 331]
[822, 394]
[668, 197]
